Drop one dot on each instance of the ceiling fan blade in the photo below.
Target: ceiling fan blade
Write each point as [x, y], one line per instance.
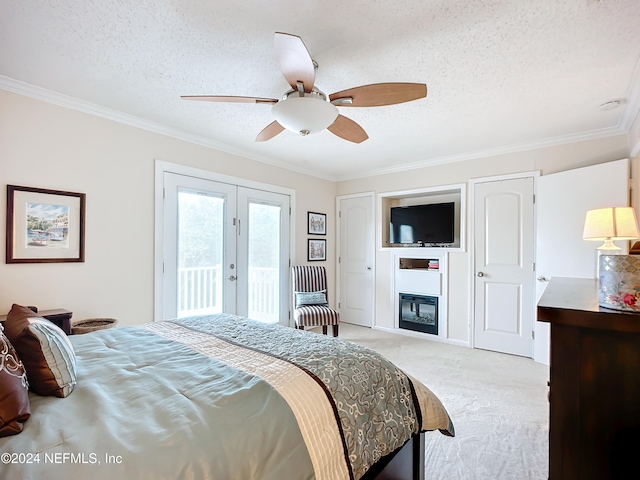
[379, 94]
[229, 99]
[270, 131]
[295, 62]
[347, 129]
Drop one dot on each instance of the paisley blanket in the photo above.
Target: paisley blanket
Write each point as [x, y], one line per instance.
[222, 396]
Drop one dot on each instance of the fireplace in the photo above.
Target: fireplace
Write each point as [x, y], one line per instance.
[419, 313]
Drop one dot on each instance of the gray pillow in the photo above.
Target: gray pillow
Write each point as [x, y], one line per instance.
[311, 298]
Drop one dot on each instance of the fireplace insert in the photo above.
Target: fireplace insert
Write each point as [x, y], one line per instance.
[419, 313]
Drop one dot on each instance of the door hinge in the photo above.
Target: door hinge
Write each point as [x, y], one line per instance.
[534, 199]
[339, 213]
[338, 304]
[339, 259]
[533, 334]
[164, 192]
[533, 265]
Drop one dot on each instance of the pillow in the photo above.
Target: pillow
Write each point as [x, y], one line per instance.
[311, 298]
[14, 390]
[45, 351]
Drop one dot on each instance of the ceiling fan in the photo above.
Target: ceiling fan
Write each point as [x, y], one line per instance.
[305, 109]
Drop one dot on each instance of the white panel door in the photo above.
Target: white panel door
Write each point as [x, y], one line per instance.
[504, 255]
[563, 201]
[356, 252]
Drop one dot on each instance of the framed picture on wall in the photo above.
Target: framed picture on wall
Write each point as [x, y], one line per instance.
[316, 250]
[317, 223]
[44, 226]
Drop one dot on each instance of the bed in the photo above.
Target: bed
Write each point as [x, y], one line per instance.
[225, 397]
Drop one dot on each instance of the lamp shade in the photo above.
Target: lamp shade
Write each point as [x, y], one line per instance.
[304, 115]
[612, 223]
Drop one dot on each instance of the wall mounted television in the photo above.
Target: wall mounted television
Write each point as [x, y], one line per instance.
[423, 224]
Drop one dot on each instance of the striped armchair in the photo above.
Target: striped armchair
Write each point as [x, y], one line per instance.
[310, 300]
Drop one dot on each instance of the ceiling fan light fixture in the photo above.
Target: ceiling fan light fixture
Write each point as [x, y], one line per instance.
[306, 114]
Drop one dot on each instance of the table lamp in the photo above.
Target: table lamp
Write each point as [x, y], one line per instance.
[618, 275]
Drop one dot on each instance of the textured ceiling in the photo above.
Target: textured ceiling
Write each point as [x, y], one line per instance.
[501, 74]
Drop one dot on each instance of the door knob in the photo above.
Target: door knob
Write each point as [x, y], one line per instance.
[232, 278]
[480, 274]
[368, 268]
[542, 279]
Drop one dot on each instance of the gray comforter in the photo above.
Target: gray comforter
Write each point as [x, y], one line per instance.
[221, 397]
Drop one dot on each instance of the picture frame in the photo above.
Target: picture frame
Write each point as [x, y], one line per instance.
[44, 226]
[316, 250]
[316, 223]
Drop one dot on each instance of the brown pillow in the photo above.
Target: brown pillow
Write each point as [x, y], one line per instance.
[45, 350]
[14, 389]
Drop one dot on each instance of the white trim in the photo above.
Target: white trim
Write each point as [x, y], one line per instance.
[456, 188]
[423, 336]
[339, 198]
[83, 106]
[632, 106]
[491, 152]
[472, 254]
[49, 96]
[509, 176]
[161, 167]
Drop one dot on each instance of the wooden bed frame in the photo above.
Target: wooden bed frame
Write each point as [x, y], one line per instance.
[406, 463]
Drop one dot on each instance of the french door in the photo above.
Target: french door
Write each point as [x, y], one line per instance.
[225, 249]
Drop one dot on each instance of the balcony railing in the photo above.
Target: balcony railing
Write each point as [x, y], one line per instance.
[200, 292]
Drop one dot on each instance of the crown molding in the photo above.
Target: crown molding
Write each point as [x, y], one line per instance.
[492, 152]
[632, 105]
[631, 109]
[49, 96]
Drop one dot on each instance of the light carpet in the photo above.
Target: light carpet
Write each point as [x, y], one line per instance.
[498, 404]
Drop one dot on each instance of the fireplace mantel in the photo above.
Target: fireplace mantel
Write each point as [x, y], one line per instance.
[423, 274]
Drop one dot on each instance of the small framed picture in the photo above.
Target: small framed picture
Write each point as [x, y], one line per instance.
[317, 223]
[44, 226]
[316, 250]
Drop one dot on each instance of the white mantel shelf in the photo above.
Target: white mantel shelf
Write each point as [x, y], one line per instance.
[422, 281]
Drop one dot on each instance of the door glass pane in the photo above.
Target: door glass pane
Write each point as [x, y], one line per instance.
[264, 261]
[200, 253]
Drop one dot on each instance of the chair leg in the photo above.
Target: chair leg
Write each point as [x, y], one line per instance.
[324, 329]
[335, 330]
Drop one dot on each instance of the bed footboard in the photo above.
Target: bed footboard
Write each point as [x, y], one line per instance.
[406, 463]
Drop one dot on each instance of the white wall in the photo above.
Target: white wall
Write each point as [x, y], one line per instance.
[48, 146]
[546, 160]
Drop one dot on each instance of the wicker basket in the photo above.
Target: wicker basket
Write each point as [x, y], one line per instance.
[92, 324]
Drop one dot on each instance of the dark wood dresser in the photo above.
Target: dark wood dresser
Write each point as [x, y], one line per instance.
[594, 416]
[59, 316]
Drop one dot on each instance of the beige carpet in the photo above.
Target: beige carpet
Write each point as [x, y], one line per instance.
[498, 404]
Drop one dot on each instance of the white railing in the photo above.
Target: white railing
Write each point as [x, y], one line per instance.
[264, 294]
[200, 292]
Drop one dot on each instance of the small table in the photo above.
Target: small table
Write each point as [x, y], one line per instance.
[58, 316]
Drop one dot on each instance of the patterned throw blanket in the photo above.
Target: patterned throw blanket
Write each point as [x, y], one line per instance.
[363, 406]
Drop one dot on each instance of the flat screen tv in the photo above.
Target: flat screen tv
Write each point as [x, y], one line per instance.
[422, 224]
